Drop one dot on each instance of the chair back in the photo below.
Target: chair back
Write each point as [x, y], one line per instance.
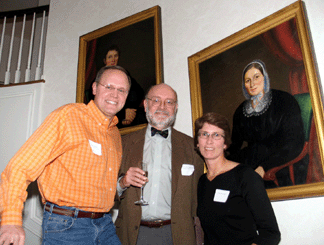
[305, 105]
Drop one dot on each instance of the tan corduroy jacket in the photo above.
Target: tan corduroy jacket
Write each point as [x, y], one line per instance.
[184, 189]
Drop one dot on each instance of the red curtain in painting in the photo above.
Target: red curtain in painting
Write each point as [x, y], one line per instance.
[283, 42]
[91, 69]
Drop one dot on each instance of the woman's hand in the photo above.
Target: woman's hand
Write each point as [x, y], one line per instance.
[260, 171]
[130, 115]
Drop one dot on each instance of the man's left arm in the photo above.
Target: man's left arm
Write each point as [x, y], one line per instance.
[129, 175]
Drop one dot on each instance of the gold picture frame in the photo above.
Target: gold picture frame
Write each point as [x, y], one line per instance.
[138, 38]
[223, 58]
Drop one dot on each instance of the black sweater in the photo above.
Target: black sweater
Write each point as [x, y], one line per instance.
[246, 217]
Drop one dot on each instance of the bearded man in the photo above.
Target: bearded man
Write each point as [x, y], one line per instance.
[171, 186]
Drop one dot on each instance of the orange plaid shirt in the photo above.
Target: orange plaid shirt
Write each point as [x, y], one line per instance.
[75, 156]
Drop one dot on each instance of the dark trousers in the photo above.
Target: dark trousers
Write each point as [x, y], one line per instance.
[154, 236]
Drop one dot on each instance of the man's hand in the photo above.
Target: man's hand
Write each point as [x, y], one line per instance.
[260, 171]
[12, 234]
[130, 115]
[134, 176]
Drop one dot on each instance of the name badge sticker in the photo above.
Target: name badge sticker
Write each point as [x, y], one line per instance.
[187, 169]
[95, 147]
[221, 195]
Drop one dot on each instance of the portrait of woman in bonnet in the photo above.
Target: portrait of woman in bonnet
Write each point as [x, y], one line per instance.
[267, 126]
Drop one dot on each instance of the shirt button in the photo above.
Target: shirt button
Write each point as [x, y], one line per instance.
[99, 123]
[110, 189]
[109, 169]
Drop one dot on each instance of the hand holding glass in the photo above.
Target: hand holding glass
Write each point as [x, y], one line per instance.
[142, 202]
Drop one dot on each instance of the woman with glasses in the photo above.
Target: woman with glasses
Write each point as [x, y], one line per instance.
[233, 206]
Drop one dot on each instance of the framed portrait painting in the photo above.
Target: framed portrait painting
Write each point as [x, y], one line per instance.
[133, 43]
[285, 130]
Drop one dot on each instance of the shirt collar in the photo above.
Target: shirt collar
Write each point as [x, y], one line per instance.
[99, 117]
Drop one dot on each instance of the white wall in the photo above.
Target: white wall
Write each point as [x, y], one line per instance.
[188, 26]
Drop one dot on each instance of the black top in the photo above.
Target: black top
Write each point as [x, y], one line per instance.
[246, 211]
[274, 137]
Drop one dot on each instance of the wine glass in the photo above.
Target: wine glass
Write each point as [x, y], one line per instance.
[142, 202]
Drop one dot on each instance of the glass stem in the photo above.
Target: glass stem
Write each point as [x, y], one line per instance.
[142, 193]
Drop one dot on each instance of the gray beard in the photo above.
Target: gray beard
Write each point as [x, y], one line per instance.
[160, 124]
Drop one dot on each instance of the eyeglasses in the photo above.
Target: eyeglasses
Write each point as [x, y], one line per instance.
[215, 136]
[156, 101]
[111, 88]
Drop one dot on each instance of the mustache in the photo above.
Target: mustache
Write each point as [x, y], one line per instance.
[163, 112]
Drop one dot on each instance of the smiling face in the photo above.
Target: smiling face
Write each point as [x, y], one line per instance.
[111, 58]
[254, 81]
[111, 102]
[161, 116]
[211, 149]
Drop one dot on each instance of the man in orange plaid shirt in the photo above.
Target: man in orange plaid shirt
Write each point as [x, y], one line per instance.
[75, 157]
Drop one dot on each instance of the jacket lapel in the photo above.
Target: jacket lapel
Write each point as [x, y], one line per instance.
[138, 153]
[138, 145]
[177, 159]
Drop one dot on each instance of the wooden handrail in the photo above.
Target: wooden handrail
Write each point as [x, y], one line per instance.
[10, 14]
[25, 83]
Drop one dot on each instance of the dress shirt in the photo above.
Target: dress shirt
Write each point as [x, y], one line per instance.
[157, 153]
[75, 156]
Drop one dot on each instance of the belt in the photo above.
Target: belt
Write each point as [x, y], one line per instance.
[71, 213]
[156, 223]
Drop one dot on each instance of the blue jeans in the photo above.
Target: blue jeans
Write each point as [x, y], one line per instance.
[60, 229]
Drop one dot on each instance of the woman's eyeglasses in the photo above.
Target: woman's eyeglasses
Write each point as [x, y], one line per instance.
[215, 135]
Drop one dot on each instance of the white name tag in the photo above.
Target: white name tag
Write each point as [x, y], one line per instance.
[95, 147]
[221, 195]
[187, 169]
